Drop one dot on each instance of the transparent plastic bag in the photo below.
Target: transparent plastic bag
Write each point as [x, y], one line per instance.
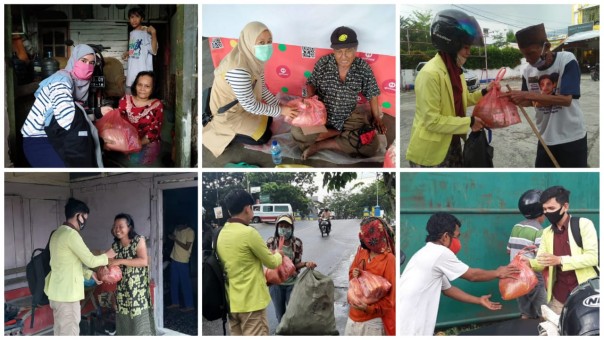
[311, 111]
[495, 111]
[367, 288]
[111, 274]
[280, 274]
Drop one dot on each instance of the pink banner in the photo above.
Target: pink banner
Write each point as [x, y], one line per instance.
[290, 65]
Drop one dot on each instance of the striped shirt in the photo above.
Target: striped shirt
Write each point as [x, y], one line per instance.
[340, 98]
[525, 233]
[241, 83]
[55, 97]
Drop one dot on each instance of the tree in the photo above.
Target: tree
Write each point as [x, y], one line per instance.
[287, 193]
[510, 37]
[216, 185]
[303, 180]
[337, 180]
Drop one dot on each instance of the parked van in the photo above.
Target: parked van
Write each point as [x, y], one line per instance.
[269, 212]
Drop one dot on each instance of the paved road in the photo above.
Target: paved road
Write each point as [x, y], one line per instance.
[333, 255]
[516, 146]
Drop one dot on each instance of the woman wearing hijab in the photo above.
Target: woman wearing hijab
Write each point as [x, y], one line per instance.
[442, 95]
[242, 107]
[375, 255]
[56, 132]
[292, 248]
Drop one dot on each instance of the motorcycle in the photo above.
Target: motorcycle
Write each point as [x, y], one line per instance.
[580, 315]
[324, 226]
[594, 72]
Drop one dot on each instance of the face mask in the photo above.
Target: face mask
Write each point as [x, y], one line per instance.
[285, 232]
[263, 52]
[555, 216]
[539, 63]
[83, 224]
[82, 71]
[455, 245]
[461, 60]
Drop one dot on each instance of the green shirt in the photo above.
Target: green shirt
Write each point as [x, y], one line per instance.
[65, 282]
[242, 252]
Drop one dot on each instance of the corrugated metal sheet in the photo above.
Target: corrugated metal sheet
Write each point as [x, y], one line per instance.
[486, 204]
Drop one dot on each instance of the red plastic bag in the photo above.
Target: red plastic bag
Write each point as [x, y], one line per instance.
[522, 283]
[111, 274]
[368, 288]
[118, 134]
[311, 112]
[280, 274]
[494, 111]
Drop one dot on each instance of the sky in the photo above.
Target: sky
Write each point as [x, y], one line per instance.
[503, 17]
[362, 177]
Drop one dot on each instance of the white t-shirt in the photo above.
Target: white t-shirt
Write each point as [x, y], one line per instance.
[557, 124]
[426, 275]
[140, 57]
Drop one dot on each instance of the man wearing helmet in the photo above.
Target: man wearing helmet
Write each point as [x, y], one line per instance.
[527, 233]
[569, 264]
[559, 117]
[338, 79]
[442, 95]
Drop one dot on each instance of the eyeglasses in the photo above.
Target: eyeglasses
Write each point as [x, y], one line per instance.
[86, 61]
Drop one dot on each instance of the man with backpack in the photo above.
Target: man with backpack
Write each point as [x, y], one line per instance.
[569, 247]
[65, 283]
[242, 251]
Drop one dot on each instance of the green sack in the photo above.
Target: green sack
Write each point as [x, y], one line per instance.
[310, 310]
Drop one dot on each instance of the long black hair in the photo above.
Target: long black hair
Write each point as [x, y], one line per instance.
[129, 222]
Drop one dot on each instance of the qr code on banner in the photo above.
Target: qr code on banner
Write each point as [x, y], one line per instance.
[308, 52]
[304, 92]
[216, 43]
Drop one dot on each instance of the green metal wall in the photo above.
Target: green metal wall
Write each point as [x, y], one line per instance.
[487, 206]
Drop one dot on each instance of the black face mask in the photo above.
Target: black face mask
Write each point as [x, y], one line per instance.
[83, 224]
[555, 216]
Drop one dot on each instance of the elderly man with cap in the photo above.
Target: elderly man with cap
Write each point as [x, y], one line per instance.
[292, 248]
[559, 117]
[338, 79]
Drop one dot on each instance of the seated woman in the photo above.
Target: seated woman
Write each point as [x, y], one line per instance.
[242, 107]
[146, 114]
[57, 133]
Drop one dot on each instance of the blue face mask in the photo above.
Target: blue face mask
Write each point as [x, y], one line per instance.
[263, 52]
[285, 232]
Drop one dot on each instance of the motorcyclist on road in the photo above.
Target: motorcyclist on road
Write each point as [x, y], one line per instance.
[325, 215]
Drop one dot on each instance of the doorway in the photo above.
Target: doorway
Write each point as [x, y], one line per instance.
[179, 206]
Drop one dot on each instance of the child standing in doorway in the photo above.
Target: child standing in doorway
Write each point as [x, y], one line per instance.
[142, 46]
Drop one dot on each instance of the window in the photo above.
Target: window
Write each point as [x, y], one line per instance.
[53, 40]
[281, 208]
[267, 208]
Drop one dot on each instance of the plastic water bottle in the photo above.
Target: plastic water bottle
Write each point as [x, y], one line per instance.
[276, 152]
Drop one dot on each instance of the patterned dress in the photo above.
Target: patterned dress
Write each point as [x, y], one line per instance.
[148, 122]
[134, 308]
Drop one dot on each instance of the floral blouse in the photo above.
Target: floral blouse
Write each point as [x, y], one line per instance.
[146, 119]
[133, 291]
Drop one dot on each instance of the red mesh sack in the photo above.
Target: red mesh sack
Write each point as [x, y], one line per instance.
[118, 134]
[494, 111]
[367, 288]
[111, 274]
[280, 274]
[311, 112]
[522, 283]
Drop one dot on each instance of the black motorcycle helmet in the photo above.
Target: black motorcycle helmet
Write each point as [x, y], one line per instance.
[529, 204]
[581, 312]
[451, 29]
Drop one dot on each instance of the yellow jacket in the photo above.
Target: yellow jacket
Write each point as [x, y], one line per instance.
[435, 122]
[242, 252]
[65, 282]
[581, 260]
